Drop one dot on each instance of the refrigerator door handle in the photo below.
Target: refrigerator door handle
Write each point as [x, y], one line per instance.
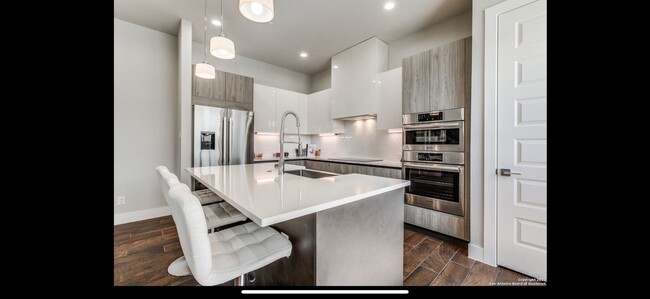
[224, 143]
[230, 129]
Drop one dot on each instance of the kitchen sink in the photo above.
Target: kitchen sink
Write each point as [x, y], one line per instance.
[312, 174]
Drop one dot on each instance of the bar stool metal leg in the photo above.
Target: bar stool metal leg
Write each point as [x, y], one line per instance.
[239, 281]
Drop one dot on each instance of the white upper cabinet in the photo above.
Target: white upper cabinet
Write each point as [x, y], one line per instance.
[389, 91]
[287, 100]
[320, 114]
[304, 114]
[314, 111]
[341, 74]
[264, 108]
[354, 74]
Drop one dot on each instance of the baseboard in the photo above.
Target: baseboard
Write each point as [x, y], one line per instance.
[140, 215]
[475, 252]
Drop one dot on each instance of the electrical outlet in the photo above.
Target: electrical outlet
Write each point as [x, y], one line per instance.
[121, 200]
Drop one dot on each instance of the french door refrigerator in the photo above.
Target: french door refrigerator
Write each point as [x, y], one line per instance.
[222, 136]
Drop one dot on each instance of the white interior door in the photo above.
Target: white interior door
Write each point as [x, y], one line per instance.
[521, 131]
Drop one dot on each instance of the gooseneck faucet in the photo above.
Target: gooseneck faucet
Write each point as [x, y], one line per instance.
[280, 165]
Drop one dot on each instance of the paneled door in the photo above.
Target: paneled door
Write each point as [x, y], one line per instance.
[521, 145]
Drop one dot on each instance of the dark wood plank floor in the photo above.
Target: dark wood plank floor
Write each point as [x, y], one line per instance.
[142, 251]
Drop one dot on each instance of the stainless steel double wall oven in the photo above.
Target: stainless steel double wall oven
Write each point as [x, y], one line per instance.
[434, 160]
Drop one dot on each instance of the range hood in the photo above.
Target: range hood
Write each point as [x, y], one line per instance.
[358, 117]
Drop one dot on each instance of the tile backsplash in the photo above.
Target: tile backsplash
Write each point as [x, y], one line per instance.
[269, 144]
[361, 140]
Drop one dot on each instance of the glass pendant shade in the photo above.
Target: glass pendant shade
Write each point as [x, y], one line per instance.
[260, 11]
[204, 70]
[222, 47]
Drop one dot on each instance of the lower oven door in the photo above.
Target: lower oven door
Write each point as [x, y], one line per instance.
[435, 186]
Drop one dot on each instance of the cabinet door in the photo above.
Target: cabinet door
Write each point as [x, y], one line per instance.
[341, 80]
[314, 114]
[209, 88]
[304, 114]
[363, 69]
[264, 109]
[286, 100]
[389, 114]
[239, 88]
[324, 112]
[450, 75]
[416, 83]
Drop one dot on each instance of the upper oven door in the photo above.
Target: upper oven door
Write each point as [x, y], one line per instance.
[444, 136]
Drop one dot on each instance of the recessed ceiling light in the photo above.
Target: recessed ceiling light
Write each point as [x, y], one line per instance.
[303, 55]
[336, 66]
[216, 22]
[389, 5]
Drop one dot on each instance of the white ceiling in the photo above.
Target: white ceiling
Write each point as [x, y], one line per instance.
[321, 28]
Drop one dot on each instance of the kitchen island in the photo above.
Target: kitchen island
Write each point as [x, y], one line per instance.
[345, 229]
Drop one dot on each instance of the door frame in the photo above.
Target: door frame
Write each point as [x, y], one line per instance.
[490, 162]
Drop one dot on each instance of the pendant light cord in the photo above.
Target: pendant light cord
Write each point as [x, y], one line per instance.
[222, 18]
[205, 30]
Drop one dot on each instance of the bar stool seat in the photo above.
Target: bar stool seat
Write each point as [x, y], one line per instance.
[206, 197]
[225, 255]
[220, 214]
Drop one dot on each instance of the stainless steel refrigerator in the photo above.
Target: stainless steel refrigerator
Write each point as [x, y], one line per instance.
[222, 136]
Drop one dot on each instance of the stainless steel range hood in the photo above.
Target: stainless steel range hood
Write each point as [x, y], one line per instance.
[358, 117]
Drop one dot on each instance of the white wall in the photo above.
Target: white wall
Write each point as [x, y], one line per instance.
[476, 147]
[447, 31]
[145, 106]
[263, 73]
[321, 81]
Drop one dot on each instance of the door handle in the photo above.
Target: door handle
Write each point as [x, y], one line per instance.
[507, 172]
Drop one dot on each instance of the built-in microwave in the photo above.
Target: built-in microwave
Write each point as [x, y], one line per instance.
[434, 131]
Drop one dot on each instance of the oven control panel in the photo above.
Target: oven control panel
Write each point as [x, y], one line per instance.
[430, 157]
[429, 116]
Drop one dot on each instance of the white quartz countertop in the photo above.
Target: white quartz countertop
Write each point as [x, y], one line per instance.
[268, 198]
[383, 163]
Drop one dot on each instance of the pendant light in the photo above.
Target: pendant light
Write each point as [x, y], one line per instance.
[260, 11]
[204, 70]
[221, 46]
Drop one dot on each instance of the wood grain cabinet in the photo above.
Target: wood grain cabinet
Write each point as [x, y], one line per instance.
[342, 168]
[437, 79]
[226, 90]
[239, 88]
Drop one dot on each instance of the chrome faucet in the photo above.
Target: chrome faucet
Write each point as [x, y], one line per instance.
[280, 165]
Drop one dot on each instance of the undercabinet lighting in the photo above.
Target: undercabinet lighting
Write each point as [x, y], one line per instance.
[216, 22]
[267, 180]
[389, 5]
[327, 134]
[394, 130]
[303, 55]
[267, 133]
